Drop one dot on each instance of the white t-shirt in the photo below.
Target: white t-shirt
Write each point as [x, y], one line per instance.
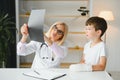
[93, 54]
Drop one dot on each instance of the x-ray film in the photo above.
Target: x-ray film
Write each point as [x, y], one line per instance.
[35, 25]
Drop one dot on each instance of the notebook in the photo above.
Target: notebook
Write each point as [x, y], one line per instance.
[44, 74]
[35, 25]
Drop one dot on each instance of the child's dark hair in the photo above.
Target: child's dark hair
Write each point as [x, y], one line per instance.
[98, 23]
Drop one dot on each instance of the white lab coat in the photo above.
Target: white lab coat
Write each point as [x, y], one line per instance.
[43, 55]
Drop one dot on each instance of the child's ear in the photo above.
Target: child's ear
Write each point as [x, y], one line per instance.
[99, 32]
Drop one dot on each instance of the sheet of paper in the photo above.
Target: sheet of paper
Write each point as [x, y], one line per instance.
[35, 25]
[44, 74]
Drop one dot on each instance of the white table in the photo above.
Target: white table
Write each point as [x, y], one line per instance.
[17, 74]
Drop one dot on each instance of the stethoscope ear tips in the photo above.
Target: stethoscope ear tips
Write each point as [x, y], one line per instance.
[44, 57]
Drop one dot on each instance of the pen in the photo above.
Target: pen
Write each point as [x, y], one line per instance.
[36, 72]
[59, 76]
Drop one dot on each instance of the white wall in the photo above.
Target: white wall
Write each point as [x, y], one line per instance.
[113, 32]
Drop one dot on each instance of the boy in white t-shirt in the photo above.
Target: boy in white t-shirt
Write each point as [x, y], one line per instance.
[94, 55]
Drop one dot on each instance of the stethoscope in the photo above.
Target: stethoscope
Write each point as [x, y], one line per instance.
[44, 44]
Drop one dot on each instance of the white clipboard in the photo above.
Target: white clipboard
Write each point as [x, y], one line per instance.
[44, 74]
